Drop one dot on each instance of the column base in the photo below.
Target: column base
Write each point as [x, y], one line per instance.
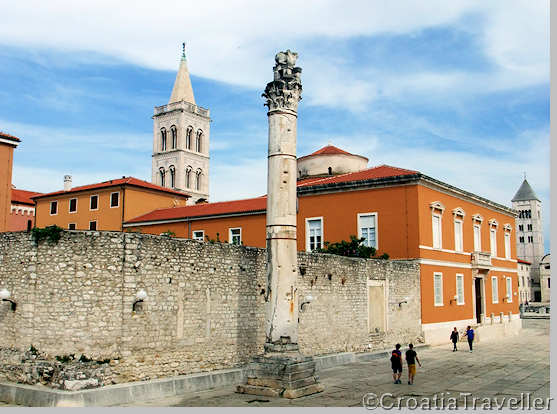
[281, 374]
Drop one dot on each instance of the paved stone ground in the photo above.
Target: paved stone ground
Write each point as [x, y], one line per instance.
[505, 368]
[495, 369]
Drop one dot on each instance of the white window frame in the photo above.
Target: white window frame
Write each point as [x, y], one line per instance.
[360, 215]
[440, 246]
[98, 200]
[458, 248]
[50, 207]
[230, 240]
[507, 245]
[307, 231]
[69, 224]
[70, 204]
[96, 225]
[493, 241]
[460, 294]
[494, 290]
[194, 237]
[118, 205]
[437, 276]
[478, 240]
[509, 288]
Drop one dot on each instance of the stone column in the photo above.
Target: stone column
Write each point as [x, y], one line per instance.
[282, 95]
[281, 370]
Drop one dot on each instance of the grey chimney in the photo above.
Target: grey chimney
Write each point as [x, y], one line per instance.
[67, 182]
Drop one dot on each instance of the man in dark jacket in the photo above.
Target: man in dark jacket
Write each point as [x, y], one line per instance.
[470, 336]
[396, 363]
[454, 338]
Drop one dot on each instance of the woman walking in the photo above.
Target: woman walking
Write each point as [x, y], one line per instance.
[470, 336]
[454, 338]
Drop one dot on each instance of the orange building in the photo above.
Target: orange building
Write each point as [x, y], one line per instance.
[7, 145]
[22, 211]
[103, 206]
[465, 243]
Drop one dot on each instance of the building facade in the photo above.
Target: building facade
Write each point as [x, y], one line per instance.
[463, 242]
[7, 145]
[524, 281]
[102, 206]
[529, 233]
[545, 278]
[22, 210]
[181, 141]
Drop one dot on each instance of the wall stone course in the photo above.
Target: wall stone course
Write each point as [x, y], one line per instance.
[204, 310]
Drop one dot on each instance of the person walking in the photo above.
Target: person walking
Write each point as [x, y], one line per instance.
[411, 359]
[396, 363]
[454, 338]
[470, 336]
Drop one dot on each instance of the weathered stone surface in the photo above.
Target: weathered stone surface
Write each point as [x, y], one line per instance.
[62, 313]
[77, 385]
[302, 392]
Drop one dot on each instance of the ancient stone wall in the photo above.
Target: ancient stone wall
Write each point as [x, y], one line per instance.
[204, 308]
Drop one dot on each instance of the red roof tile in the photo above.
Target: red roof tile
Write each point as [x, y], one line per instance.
[23, 196]
[132, 181]
[381, 171]
[208, 209]
[260, 203]
[327, 150]
[523, 261]
[9, 137]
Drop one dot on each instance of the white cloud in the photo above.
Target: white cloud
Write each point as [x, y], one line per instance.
[235, 41]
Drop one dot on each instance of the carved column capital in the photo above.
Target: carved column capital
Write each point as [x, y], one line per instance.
[285, 91]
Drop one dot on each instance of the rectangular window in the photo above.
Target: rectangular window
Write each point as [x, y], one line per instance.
[94, 202]
[530, 239]
[71, 226]
[477, 238]
[199, 235]
[494, 290]
[459, 289]
[314, 232]
[529, 227]
[521, 239]
[458, 235]
[509, 286]
[507, 246]
[438, 289]
[436, 221]
[367, 225]
[73, 205]
[92, 225]
[235, 236]
[53, 208]
[114, 200]
[493, 242]
[520, 227]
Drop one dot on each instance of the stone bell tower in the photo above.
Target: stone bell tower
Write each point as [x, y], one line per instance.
[282, 371]
[181, 140]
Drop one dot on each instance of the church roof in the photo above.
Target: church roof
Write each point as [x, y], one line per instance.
[7, 138]
[525, 193]
[182, 90]
[330, 150]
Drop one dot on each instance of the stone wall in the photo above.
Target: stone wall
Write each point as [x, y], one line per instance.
[204, 308]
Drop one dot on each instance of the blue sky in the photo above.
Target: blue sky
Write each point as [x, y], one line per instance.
[457, 90]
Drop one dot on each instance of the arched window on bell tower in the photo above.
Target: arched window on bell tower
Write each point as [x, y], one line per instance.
[198, 140]
[198, 180]
[172, 176]
[174, 133]
[163, 139]
[189, 133]
[188, 176]
[162, 174]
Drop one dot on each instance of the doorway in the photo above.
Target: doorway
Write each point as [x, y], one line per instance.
[479, 300]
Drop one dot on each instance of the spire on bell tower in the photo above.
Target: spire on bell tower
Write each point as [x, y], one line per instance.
[182, 90]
